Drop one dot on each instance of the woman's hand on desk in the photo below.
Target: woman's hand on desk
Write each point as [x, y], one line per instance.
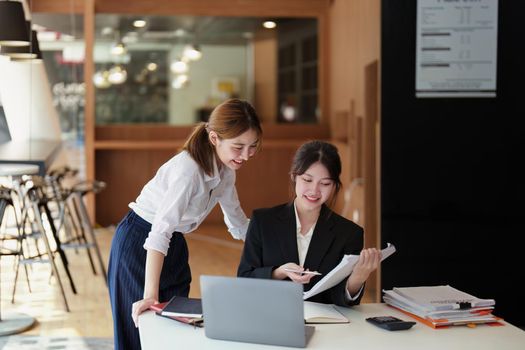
[139, 307]
[368, 262]
[280, 273]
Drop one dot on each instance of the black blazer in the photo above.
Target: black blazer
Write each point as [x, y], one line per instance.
[271, 241]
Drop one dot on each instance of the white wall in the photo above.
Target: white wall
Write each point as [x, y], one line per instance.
[26, 97]
[216, 62]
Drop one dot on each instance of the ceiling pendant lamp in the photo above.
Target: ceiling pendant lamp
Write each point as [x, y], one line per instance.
[119, 49]
[101, 79]
[23, 52]
[117, 75]
[192, 52]
[13, 28]
[179, 66]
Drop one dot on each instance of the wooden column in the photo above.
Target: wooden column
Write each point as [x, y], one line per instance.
[371, 169]
[89, 109]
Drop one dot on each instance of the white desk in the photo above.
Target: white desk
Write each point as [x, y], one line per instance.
[159, 333]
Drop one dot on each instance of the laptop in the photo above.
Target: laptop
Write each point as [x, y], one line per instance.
[254, 310]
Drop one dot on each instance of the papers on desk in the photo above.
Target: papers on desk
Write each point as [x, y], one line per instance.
[322, 313]
[439, 306]
[341, 271]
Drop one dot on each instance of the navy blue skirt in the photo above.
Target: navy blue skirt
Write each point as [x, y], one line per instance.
[126, 271]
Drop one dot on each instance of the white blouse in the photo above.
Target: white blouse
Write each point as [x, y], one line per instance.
[181, 195]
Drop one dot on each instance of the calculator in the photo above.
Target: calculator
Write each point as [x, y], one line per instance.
[390, 322]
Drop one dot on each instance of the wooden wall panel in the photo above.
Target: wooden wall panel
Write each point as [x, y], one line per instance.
[261, 182]
[265, 75]
[162, 132]
[141, 132]
[125, 173]
[354, 44]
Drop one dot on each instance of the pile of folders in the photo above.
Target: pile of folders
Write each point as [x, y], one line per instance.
[442, 306]
[181, 309]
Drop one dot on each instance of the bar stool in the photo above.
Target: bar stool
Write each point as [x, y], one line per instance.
[79, 232]
[32, 203]
[77, 193]
[15, 172]
[37, 200]
[11, 322]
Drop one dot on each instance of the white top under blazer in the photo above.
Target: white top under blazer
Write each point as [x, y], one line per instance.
[181, 195]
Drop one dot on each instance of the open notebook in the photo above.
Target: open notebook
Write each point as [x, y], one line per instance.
[322, 313]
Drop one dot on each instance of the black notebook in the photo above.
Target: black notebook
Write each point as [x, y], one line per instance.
[182, 306]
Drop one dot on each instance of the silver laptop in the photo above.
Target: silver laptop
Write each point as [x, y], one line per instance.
[254, 311]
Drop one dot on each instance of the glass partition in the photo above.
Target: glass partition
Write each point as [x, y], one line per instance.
[60, 38]
[176, 69]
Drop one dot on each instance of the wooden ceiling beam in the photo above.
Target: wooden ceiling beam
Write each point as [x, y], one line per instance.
[57, 6]
[253, 8]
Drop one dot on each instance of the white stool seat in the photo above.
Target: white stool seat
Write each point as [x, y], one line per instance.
[18, 169]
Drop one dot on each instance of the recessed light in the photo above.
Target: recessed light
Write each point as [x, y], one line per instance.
[269, 24]
[139, 23]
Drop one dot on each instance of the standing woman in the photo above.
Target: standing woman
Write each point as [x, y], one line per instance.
[306, 235]
[149, 256]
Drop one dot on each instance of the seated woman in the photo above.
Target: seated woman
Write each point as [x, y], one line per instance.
[305, 235]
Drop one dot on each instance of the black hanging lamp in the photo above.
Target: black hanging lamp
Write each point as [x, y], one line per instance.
[13, 28]
[23, 52]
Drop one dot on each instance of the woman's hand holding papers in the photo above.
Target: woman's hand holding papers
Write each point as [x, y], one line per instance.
[369, 260]
[287, 269]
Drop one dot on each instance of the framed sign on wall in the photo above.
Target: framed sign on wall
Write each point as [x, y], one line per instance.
[456, 48]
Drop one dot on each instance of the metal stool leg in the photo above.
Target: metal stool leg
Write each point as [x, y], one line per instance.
[80, 235]
[89, 228]
[50, 253]
[47, 212]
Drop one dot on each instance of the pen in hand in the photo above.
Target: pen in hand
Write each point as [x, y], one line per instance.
[303, 272]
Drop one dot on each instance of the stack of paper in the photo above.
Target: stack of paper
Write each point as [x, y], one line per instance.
[440, 306]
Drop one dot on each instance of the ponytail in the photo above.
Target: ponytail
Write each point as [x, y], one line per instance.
[200, 149]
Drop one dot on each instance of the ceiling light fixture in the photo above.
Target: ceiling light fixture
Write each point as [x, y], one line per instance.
[180, 81]
[180, 33]
[152, 66]
[269, 24]
[101, 79]
[117, 75]
[106, 31]
[23, 52]
[179, 66]
[13, 28]
[192, 52]
[139, 23]
[119, 49]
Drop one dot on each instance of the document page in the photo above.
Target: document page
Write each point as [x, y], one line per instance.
[341, 271]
